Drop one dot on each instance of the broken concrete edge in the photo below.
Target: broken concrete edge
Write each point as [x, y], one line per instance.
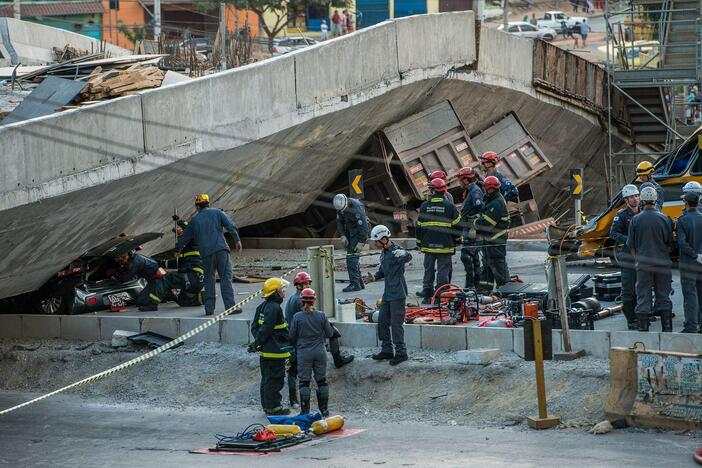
[256, 243]
[596, 343]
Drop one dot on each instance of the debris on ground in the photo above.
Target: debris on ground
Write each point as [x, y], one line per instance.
[602, 427]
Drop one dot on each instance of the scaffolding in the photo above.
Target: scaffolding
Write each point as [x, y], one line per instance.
[653, 58]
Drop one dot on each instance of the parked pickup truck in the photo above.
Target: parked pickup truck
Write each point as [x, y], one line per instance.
[555, 19]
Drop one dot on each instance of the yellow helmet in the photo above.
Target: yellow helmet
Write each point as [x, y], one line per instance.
[271, 285]
[644, 168]
[202, 198]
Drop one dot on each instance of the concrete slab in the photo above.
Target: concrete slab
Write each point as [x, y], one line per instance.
[595, 343]
[478, 356]
[413, 336]
[10, 326]
[499, 338]
[164, 326]
[626, 339]
[41, 326]
[358, 335]
[444, 338]
[210, 334]
[80, 327]
[236, 332]
[108, 325]
[681, 342]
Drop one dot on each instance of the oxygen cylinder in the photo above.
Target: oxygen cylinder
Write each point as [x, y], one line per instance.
[284, 429]
[332, 423]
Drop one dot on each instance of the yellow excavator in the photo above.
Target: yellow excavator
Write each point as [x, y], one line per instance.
[671, 171]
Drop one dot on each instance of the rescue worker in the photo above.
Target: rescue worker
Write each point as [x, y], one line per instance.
[437, 234]
[472, 204]
[270, 332]
[133, 265]
[644, 174]
[301, 281]
[693, 187]
[689, 230]
[308, 333]
[619, 234]
[391, 319]
[206, 229]
[352, 221]
[489, 161]
[189, 277]
[649, 240]
[492, 228]
[443, 176]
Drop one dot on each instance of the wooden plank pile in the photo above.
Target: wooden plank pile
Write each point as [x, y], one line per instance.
[115, 83]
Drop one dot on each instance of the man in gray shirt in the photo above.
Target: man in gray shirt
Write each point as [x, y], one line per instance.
[649, 240]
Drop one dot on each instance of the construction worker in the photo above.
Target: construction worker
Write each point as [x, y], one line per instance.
[492, 228]
[189, 277]
[437, 234]
[489, 161]
[644, 174]
[619, 234]
[270, 332]
[689, 230]
[206, 229]
[352, 221]
[133, 265]
[391, 319]
[443, 176]
[308, 333]
[649, 240]
[693, 187]
[472, 204]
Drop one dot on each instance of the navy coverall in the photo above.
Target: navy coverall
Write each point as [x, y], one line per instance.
[619, 234]
[650, 236]
[141, 266]
[392, 308]
[690, 244]
[507, 188]
[492, 226]
[206, 229]
[353, 224]
[470, 256]
[188, 278]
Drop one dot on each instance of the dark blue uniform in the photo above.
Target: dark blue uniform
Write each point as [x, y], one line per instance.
[492, 226]
[392, 308]
[206, 229]
[141, 266]
[353, 224]
[293, 306]
[437, 233]
[651, 235]
[690, 244]
[270, 332]
[620, 234]
[472, 204]
[507, 188]
[189, 277]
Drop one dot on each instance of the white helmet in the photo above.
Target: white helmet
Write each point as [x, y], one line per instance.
[692, 186]
[629, 190]
[340, 202]
[649, 194]
[379, 232]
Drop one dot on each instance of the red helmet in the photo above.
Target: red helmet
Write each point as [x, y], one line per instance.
[438, 175]
[467, 173]
[301, 278]
[308, 296]
[489, 157]
[437, 185]
[491, 182]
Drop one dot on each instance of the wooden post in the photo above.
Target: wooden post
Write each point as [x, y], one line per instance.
[543, 421]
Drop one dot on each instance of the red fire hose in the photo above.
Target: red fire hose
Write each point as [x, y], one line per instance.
[697, 456]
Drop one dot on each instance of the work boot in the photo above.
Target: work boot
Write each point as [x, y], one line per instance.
[323, 402]
[644, 324]
[398, 359]
[304, 405]
[667, 322]
[340, 360]
[426, 295]
[151, 308]
[382, 355]
[351, 288]
[278, 411]
[236, 311]
[628, 309]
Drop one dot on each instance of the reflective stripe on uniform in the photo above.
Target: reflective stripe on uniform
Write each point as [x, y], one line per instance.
[280, 326]
[489, 219]
[456, 221]
[198, 270]
[155, 297]
[437, 223]
[191, 253]
[437, 199]
[284, 355]
[438, 250]
[505, 218]
[500, 234]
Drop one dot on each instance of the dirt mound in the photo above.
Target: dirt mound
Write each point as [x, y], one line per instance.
[431, 387]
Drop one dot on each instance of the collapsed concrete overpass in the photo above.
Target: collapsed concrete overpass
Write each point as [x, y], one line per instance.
[264, 140]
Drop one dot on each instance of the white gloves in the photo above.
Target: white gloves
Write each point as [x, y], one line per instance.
[344, 241]
[472, 234]
[359, 247]
[399, 253]
[699, 258]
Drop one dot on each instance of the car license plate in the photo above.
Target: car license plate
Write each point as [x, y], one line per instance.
[119, 299]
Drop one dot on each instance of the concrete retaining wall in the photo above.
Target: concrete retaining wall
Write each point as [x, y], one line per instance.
[362, 335]
[505, 56]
